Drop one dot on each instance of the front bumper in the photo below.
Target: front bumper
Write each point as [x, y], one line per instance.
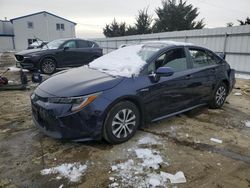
[83, 125]
[28, 63]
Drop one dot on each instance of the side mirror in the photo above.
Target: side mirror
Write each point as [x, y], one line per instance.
[222, 55]
[65, 48]
[164, 71]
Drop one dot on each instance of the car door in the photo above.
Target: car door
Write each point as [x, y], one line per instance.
[168, 94]
[203, 75]
[216, 68]
[68, 55]
[85, 50]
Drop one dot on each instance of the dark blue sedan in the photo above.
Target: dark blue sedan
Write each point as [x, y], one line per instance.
[122, 91]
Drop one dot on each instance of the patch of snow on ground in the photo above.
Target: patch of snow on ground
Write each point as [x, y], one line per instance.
[216, 140]
[154, 180]
[15, 69]
[238, 94]
[11, 51]
[161, 179]
[127, 172]
[134, 172]
[114, 185]
[72, 171]
[243, 76]
[247, 124]
[148, 139]
[179, 177]
[150, 158]
[122, 62]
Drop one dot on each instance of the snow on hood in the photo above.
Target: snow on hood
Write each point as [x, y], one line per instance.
[122, 62]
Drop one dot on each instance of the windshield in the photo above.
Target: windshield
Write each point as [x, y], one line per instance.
[148, 51]
[125, 61]
[55, 44]
[37, 43]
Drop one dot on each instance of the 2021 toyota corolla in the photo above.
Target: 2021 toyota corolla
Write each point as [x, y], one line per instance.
[59, 53]
[123, 90]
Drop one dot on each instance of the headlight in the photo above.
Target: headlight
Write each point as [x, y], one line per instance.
[32, 96]
[78, 103]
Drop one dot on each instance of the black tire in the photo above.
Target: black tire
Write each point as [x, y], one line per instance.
[48, 66]
[116, 130]
[219, 96]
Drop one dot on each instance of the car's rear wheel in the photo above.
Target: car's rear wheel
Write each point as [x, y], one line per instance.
[219, 96]
[121, 123]
[48, 66]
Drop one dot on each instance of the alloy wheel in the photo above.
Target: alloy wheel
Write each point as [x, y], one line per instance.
[48, 66]
[123, 123]
[220, 95]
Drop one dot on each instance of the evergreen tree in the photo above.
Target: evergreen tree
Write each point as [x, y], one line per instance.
[143, 22]
[230, 24]
[115, 29]
[131, 30]
[246, 22]
[174, 16]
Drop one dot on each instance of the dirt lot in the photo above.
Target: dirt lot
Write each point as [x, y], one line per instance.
[181, 143]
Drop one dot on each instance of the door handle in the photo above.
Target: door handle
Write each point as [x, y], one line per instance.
[189, 76]
[144, 90]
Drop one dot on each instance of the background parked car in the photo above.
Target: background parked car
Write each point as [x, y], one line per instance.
[37, 44]
[121, 91]
[59, 53]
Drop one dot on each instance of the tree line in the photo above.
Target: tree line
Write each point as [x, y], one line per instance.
[171, 16]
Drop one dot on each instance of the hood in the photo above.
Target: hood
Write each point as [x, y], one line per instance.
[31, 51]
[78, 82]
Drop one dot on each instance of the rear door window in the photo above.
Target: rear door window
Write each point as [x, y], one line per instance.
[83, 44]
[202, 58]
[93, 44]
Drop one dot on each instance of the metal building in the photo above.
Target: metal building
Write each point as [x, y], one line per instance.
[43, 25]
[6, 36]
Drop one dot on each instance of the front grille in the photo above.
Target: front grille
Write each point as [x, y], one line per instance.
[19, 57]
[45, 118]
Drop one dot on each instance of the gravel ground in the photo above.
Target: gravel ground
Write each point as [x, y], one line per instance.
[178, 144]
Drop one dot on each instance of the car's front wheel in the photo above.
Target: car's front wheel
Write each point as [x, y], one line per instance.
[121, 123]
[48, 66]
[219, 96]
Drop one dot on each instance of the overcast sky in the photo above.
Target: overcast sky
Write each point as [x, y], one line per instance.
[92, 15]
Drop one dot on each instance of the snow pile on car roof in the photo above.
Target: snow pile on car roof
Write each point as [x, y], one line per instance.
[122, 62]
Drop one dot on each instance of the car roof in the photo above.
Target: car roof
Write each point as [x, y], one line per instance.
[66, 39]
[166, 43]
